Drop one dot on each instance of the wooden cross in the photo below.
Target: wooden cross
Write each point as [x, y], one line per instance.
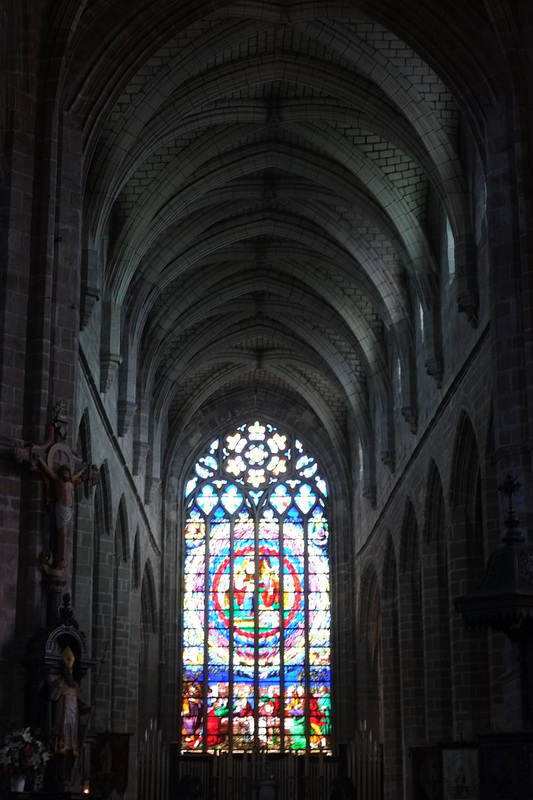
[60, 469]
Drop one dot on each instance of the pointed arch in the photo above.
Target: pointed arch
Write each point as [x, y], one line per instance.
[465, 463]
[122, 539]
[148, 652]
[82, 530]
[409, 549]
[470, 667]
[434, 508]
[102, 597]
[84, 444]
[389, 579]
[121, 630]
[370, 649]
[149, 598]
[436, 609]
[411, 631]
[84, 437]
[105, 498]
[136, 562]
[392, 696]
[256, 602]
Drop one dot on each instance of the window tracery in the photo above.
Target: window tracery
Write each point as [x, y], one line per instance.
[256, 605]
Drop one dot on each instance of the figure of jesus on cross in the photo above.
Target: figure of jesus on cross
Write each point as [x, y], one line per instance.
[61, 470]
[63, 482]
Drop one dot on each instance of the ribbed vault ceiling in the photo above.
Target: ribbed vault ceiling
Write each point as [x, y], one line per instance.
[257, 186]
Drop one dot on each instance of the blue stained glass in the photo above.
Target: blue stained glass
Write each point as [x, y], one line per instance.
[206, 467]
[305, 499]
[207, 499]
[280, 499]
[306, 466]
[191, 485]
[322, 485]
[308, 472]
[256, 603]
[232, 499]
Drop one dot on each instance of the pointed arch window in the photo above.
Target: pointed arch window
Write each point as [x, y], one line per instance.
[256, 603]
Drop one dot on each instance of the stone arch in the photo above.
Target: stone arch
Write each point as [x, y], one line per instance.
[121, 614]
[83, 532]
[435, 510]
[136, 563]
[391, 722]
[470, 662]
[409, 550]
[436, 606]
[149, 597]
[102, 589]
[105, 498]
[369, 632]
[122, 539]
[231, 409]
[410, 624]
[148, 654]
[84, 444]
[465, 463]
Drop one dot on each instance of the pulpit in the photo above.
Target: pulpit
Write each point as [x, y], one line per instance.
[504, 601]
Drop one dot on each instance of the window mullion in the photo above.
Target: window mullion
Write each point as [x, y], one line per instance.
[231, 686]
[256, 634]
[206, 637]
[281, 638]
[306, 628]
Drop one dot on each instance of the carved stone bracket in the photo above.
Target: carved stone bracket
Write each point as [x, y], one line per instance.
[369, 493]
[151, 486]
[467, 303]
[388, 457]
[126, 413]
[109, 364]
[434, 369]
[140, 451]
[90, 298]
[410, 415]
[91, 291]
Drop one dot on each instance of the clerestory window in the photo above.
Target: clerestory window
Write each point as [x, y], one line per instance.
[256, 603]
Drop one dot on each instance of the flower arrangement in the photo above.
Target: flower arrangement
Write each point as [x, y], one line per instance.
[23, 752]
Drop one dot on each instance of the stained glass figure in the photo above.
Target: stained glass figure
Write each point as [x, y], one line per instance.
[256, 602]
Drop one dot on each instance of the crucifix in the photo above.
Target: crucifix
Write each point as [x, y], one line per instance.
[61, 470]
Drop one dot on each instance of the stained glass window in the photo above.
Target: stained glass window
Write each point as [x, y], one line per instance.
[256, 603]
